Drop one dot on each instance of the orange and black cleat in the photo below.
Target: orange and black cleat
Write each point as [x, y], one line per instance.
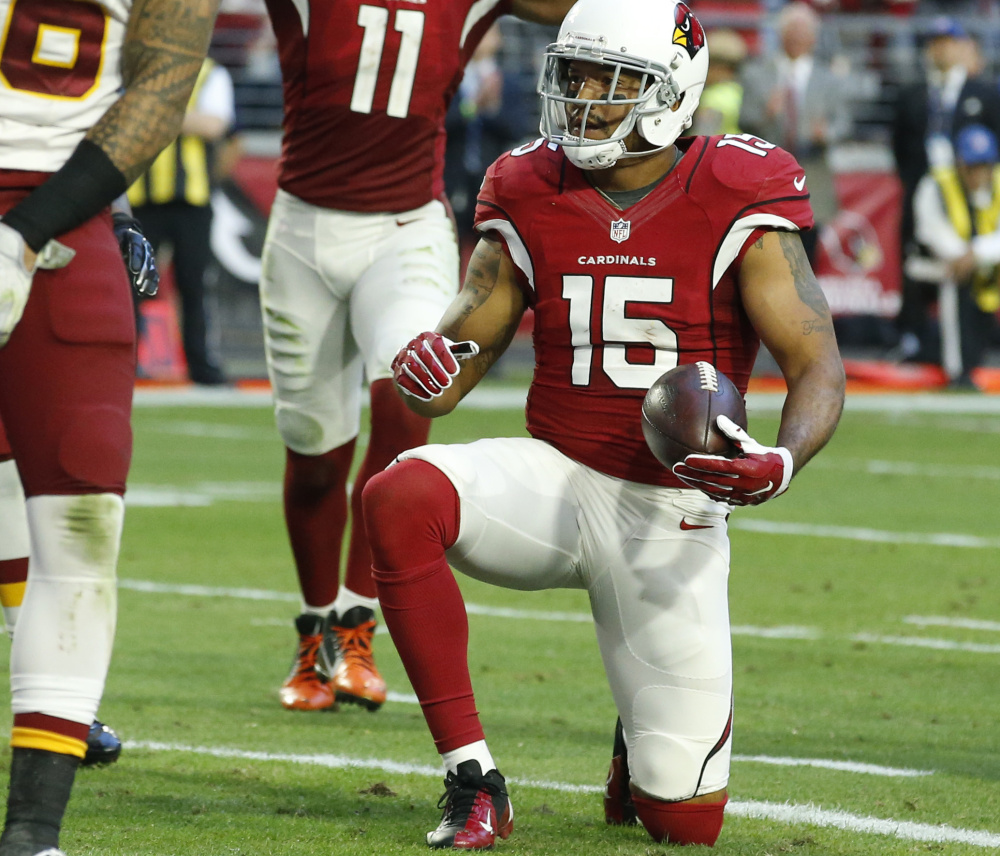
[346, 658]
[305, 688]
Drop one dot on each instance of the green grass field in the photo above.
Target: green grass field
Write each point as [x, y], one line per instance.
[866, 613]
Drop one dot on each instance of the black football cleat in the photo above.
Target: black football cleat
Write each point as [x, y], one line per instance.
[103, 745]
[619, 809]
[477, 810]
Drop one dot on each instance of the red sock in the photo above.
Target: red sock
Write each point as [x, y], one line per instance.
[316, 514]
[681, 822]
[412, 516]
[394, 429]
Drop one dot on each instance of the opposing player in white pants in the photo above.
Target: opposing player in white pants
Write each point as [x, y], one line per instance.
[638, 251]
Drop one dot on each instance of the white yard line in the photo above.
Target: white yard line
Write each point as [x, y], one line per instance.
[904, 468]
[782, 813]
[200, 494]
[858, 533]
[207, 591]
[815, 816]
[922, 642]
[778, 632]
[213, 430]
[941, 621]
[841, 766]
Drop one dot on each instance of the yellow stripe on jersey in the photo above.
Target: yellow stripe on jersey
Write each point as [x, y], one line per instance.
[12, 594]
[36, 738]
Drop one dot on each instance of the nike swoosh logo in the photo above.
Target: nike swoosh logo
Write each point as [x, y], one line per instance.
[799, 182]
[687, 527]
[487, 824]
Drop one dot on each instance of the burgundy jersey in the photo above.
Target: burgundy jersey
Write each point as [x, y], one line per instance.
[620, 297]
[366, 89]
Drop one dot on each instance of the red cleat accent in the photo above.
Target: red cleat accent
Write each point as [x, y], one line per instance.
[477, 810]
[618, 807]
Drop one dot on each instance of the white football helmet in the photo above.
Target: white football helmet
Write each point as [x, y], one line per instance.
[661, 41]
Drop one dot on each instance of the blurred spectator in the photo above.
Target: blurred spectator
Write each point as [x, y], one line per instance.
[928, 114]
[951, 7]
[794, 99]
[477, 132]
[957, 218]
[719, 109]
[262, 55]
[172, 201]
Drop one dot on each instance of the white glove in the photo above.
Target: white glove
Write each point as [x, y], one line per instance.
[15, 281]
[756, 475]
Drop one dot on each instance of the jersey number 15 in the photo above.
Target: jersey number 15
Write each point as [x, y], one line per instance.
[622, 323]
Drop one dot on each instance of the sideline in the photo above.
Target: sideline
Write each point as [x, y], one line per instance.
[490, 397]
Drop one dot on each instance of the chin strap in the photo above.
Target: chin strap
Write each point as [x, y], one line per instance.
[601, 156]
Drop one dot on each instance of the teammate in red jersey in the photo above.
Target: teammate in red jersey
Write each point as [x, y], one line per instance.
[638, 250]
[360, 251]
[92, 92]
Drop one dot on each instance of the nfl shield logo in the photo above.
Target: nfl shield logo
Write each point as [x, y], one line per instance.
[620, 230]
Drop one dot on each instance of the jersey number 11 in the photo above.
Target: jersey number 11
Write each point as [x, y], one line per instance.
[375, 21]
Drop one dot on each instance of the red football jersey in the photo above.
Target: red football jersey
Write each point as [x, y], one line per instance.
[366, 89]
[620, 297]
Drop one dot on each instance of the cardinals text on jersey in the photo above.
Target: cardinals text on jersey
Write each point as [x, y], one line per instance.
[622, 296]
[60, 63]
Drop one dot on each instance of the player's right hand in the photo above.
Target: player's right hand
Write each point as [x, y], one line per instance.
[15, 281]
[426, 365]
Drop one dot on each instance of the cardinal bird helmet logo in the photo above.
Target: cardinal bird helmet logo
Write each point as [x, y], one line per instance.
[687, 31]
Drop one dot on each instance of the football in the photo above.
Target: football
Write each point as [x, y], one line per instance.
[680, 409]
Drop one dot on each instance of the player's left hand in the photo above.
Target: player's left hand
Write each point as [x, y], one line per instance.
[140, 260]
[427, 364]
[756, 475]
[15, 281]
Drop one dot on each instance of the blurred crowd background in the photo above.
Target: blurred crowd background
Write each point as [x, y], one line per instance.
[832, 80]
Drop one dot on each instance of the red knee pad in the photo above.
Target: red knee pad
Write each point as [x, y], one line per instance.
[681, 822]
[411, 512]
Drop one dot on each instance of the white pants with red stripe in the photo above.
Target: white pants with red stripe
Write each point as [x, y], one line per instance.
[655, 562]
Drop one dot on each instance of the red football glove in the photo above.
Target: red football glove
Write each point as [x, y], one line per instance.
[758, 474]
[424, 368]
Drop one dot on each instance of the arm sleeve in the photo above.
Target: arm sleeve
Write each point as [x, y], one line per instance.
[932, 227]
[217, 97]
[986, 249]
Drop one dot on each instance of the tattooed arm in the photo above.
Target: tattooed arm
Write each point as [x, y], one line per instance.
[790, 314]
[165, 45]
[487, 310]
